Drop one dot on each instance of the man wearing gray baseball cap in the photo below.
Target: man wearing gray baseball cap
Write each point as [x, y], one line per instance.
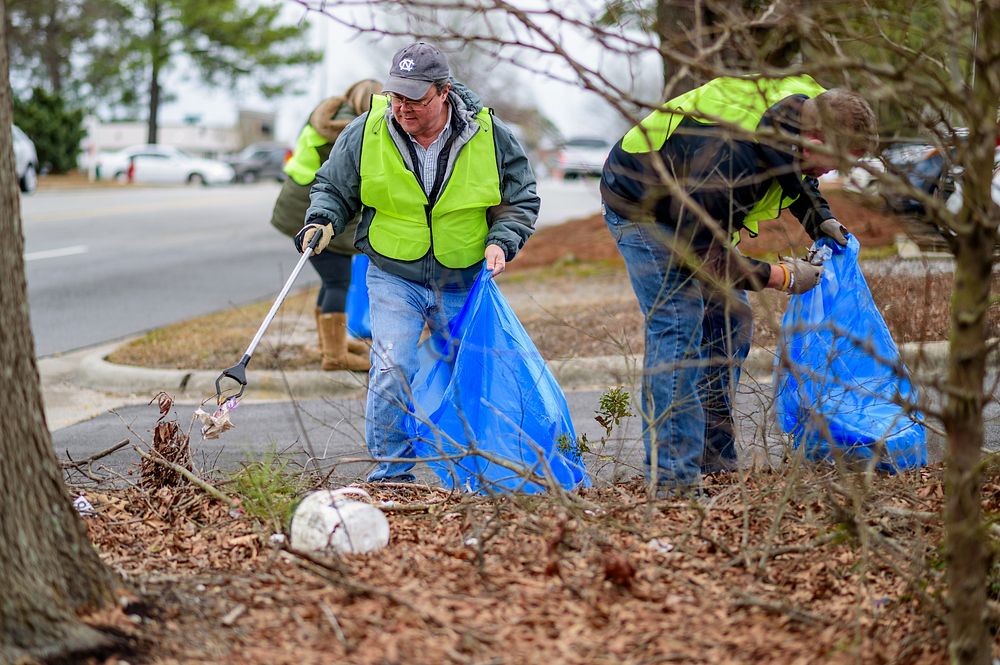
[442, 187]
[415, 68]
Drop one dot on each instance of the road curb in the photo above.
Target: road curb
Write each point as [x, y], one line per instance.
[98, 374]
[94, 372]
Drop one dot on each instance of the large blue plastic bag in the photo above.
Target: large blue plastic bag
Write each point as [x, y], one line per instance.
[359, 320]
[839, 380]
[483, 386]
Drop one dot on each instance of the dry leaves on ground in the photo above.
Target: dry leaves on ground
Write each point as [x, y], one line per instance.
[804, 567]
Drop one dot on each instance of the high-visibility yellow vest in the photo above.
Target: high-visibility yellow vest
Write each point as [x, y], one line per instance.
[305, 159]
[736, 102]
[402, 227]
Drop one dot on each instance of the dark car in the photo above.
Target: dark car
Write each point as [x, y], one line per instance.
[926, 168]
[261, 160]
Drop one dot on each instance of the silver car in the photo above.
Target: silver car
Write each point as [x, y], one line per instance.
[25, 161]
[583, 156]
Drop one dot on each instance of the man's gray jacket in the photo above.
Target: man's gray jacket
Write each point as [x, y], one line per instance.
[336, 194]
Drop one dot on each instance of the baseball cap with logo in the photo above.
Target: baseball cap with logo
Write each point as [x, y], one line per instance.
[414, 68]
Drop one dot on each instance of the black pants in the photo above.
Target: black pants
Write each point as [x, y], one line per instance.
[335, 277]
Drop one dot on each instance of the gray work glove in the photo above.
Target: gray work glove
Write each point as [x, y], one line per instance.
[303, 237]
[834, 230]
[802, 275]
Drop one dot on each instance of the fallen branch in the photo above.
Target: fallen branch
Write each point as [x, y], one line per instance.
[332, 620]
[775, 607]
[394, 507]
[75, 464]
[190, 477]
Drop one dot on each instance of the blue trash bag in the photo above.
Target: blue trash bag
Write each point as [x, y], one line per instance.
[483, 386]
[359, 320]
[838, 375]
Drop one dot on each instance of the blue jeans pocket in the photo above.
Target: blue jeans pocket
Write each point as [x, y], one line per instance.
[616, 223]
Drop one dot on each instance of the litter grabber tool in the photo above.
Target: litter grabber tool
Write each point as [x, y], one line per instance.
[238, 372]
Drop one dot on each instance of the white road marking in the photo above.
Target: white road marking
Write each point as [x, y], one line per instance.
[55, 253]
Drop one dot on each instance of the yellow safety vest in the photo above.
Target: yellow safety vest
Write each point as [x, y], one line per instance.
[737, 102]
[305, 159]
[402, 227]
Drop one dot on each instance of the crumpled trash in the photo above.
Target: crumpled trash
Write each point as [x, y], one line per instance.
[83, 506]
[212, 426]
[330, 522]
[660, 545]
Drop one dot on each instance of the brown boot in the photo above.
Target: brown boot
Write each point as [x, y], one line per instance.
[357, 346]
[333, 333]
[318, 349]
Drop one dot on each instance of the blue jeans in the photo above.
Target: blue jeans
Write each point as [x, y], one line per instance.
[399, 309]
[696, 338]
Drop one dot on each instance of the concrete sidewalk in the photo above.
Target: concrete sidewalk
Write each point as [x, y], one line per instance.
[80, 385]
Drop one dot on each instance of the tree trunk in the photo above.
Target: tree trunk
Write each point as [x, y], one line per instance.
[49, 568]
[156, 61]
[674, 22]
[52, 53]
[976, 229]
[690, 30]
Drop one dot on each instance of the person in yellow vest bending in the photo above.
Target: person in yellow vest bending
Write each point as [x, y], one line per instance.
[677, 190]
[326, 122]
[442, 186]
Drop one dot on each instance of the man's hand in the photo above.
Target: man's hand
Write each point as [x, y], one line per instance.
[303, 237]
[833, 229]
[800, 276]
[496, 259]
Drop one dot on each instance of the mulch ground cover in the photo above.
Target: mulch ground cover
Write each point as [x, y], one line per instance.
[803, 566]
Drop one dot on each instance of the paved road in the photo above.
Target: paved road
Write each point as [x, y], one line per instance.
[332, 432]
[103, 264]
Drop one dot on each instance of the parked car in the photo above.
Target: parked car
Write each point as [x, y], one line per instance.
[260, 160]
[955, 201]
[583, 156]
[925, 167]
[163, 164]
[25, 161]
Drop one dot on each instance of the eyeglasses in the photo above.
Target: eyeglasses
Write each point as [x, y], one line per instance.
[399, 100]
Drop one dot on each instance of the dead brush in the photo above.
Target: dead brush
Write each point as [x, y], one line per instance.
[170, 444]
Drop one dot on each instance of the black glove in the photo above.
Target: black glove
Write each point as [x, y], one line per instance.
[834, 230]
[304, 235]
[802, 275]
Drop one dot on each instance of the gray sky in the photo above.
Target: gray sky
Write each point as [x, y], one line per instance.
[349, 58]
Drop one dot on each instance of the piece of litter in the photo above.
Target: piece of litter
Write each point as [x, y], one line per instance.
[660, 545]
[233, 614]
[215, 424]
[83, 506]
[277, 538]
[472, 541]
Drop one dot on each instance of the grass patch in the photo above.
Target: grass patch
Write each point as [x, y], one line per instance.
[268, 490]
[218, 340]
[566, 267]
